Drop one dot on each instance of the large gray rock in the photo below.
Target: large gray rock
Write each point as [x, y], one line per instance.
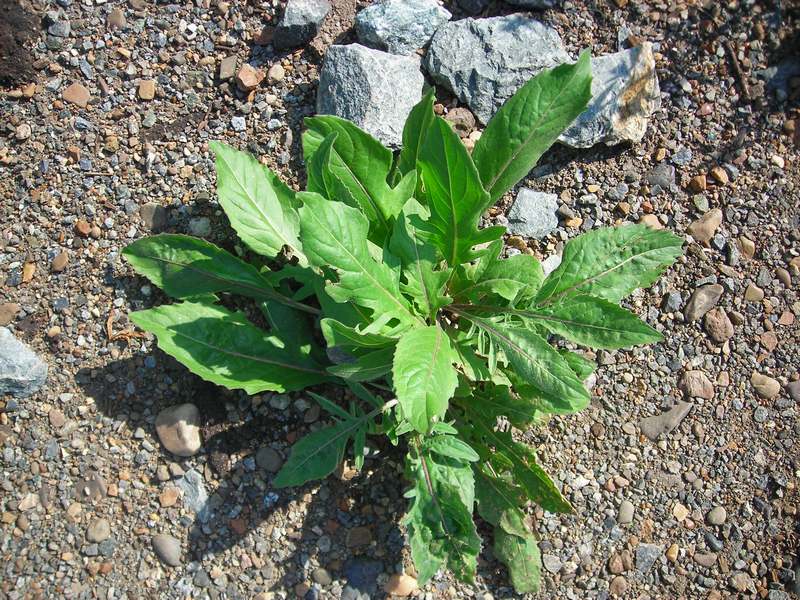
[484, 61]
[533, 214]
[374, 89]
[300, 23]
[400, 26]
[625, 93]
[21, 372]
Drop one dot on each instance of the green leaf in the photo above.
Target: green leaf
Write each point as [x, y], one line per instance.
[423, 282]
[451, 447]
[610, 263]
[362, 165]
[335, 235]
[534, 360]
[522, 558]
[424, 376]
[417, 124]
[593, 322]
[582, 367]
[456, 196]
[258, 215]
[366, 367]
[439, 521]
[340, 335]
[499, 400]
[497, 496]
[223, 347]
[315, 456]
[529, 123]
[515, 279]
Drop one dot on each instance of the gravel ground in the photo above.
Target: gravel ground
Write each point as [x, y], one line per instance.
[108, 142]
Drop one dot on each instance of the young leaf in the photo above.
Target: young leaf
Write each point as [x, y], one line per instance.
[340, 335]
[534, 360]
[362, 164]
[223, 347]
[260, 218]
[315, 456]
[335, 235]
[522, 558]
[610, 263]
[439, 520]
[593, 322]
[423, 282]
[186, 267]
[515, 279]
[424, 376]
[455, 194]
[450, 446]
[417, 124]
[529, 123]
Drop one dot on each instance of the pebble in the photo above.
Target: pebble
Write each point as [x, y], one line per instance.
[168, 549]
[718, 325]
[178, 428]
[646, 556]
[321, 576]
[23, 132]
[551, 563]
[401, 585]
[358, 536]
[268, 459]
[248, 78]
[76, 94]
[625, 514]
[533, 214]
[655, 426]
[618, 586]
[147, 89]
[696, 384]
[227, 67]
[702, 300]
[717, 515]
[99, 530]
[765, 386]
[169, 496]
[753, 293]
[59, 262]
[704, 228]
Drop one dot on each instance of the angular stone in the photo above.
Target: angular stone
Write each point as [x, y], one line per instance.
[147, 89]
[484, 61]
[400, 585]
[742, 582]
[618, 586]
[168, 549]
[718, 325]
[533, 214]
[461, 120]
[753, 293]
[400, 26]
[703, 300]
[646, 556]
[154, 216]
[195, 495]
[227, 67]
[536, 4]
[662, 424]
[358, 536]
[625, 93]
[248, 78]
[178, 428]
[704, 228]
[696, 384]
[300, 23]
[374, 89]
[8, 310]
[60, 262]
[765, 386]
[22, 372]
[76, 94]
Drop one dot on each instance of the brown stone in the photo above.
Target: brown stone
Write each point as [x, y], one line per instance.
[718, 325]
[82, 228]
[8, 310]
[400, 585]
[765, 386]
[696, 384]
[753, 293]
[358, 536]
[248, 78]
[747, 246]
[59, 263]
[615, 566]
[769, 340]
[720, 175]
[651, 221]
[618, 586]
[704, 228]
[76, 94]
[672, 553]
[147, 89]
[57, 418]
[28, 269]
[461, 120]
[169, 496]
[697, 184]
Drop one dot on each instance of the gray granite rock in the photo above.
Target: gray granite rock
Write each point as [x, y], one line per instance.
[300, 22]
[625, 93]
[195, 496]
[533, 214]
[646, 556]
[484, 61]
[22, 372]
[374, 89]
[400, 26]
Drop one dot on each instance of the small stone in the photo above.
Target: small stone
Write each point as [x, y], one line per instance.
[99, 530]
[401, 585]
[680, 512]
[374, 89]
[697, 184]
[533, 214]
[705, 559]
[154, 216]
[753, 293]
[672, 552]
[765, 386]
[552, 563]
[400, 26]
[747, 246]
[59, 263]
[169, 496]
[76, 94]
[227, 67]
[653, 427]
[615, 564]
[116, 19]
[702, 300]
[22, 132]
[22, 372]
[625, 514]
[147, 89]
[268, 459]
[696, 384]
[178, 428]
[704, 228]
[462, 121]
[718, 325]
[618, 586]
[717, 515]
[168, 549]
[358, 536]
[742, 582]
[794, 390]
[56, 418]
[652, 221]
[82, 228]
[646, 556]
[8, 310]
[300, 23]
[662, 175]
[200, 226]
[321, 576]
[276, 73]
[719, 175]
[248, 78]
